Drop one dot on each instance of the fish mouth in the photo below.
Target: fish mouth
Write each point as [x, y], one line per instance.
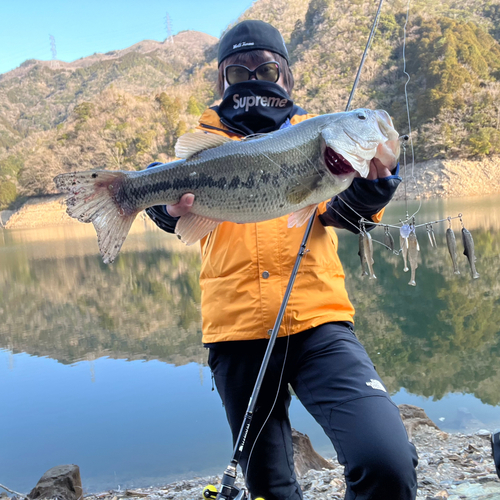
[336, 163]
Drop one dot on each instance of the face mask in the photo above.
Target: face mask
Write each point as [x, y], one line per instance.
[255, 107]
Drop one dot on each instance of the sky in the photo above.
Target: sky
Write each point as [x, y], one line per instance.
[81, 29]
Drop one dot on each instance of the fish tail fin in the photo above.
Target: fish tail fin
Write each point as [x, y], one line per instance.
[94, 197]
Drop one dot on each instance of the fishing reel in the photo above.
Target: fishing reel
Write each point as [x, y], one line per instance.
[210, 493]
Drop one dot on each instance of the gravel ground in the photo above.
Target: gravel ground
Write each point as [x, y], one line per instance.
[451, 466]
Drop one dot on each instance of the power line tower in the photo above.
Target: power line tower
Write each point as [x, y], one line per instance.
[53, 50]
[168, 27]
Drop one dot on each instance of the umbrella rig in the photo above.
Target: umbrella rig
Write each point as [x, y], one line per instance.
[409, 247]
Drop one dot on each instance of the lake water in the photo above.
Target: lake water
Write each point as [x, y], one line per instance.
[102, 366]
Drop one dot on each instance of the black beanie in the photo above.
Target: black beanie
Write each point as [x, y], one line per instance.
[252, 35]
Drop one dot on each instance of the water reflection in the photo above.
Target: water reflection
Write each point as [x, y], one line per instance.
[144, 306]
[442, 335]
[58, 300]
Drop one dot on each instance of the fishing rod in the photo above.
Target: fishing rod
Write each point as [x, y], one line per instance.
[228, 491]
[361, 64]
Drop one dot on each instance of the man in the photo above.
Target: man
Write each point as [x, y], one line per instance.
[245, 270]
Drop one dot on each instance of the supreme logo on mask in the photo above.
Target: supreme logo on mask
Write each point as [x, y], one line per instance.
[255, 107]
[251, 101]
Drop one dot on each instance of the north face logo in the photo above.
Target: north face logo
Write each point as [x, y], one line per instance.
[250, 101]
[375, 384]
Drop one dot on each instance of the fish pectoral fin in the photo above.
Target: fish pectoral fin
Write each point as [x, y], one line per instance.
[191, 228]
[300, 217]
[298, 193]
[193, 142]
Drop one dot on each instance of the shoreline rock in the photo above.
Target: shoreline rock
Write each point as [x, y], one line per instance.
[451, 467]
[62, 482]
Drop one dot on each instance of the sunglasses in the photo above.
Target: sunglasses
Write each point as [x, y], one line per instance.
[268, 71]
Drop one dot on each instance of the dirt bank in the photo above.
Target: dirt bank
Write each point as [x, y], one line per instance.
[45, 212]
[431, 179]
[39, 212]
[450, 179]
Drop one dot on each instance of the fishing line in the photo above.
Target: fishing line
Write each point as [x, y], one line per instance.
[368, 44]
[459, 216]
[363, 221]
[345, 218]
[274, 403]
[307, 158]
[287, 172]
[294, 148]
[409, 123]
[410, 138]
[282, 370]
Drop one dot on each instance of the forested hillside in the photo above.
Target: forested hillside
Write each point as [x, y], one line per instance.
[124, 109]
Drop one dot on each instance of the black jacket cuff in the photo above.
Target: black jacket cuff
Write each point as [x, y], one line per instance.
[159, 214]
[363, 198]
[162, 219]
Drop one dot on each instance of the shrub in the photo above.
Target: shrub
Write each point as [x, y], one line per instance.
[8, 193]
[11, 165]
[193, 107]
[83, 111]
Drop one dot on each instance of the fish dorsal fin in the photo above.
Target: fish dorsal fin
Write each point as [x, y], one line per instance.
[193, 142]
[191, 228]
[300, 217]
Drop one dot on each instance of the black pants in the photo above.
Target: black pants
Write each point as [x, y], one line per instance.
[335, 380]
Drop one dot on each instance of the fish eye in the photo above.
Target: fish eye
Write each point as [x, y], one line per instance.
[361, 116]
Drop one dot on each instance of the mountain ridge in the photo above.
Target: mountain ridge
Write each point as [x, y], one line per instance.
[144, 47]
[126, 108]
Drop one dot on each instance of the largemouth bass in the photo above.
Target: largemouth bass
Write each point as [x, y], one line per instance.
[367, 254]
[452, 248]
[469, 251]
[288, 171]
[413, 250]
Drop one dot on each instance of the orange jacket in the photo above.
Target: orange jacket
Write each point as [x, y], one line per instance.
[245, 271]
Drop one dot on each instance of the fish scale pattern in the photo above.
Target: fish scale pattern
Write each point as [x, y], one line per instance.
[246, 181]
